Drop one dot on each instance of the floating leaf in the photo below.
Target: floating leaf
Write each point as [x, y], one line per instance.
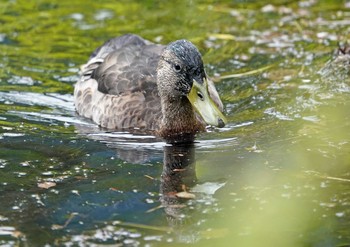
[46, 185]
[251, 72]
[56, 227]
[154, 209]
[142, 226]
[179, 170]
[59, 227]
[223, 36]
[185, 195]
[147, 176]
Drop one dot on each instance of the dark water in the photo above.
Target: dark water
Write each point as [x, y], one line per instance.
[276, 175]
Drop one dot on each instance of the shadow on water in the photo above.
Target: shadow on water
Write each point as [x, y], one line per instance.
[178, 176]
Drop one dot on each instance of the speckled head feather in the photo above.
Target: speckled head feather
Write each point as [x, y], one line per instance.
[187, 52]
[179, 65]
[190, 56]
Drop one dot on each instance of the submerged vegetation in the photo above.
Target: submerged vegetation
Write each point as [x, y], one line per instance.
[276, 175]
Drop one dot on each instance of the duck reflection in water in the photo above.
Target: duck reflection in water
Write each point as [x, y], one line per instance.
[178, 176]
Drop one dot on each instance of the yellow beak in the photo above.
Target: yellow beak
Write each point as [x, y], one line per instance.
[204, 105]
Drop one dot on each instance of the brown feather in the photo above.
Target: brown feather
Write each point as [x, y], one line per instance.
[118, 90]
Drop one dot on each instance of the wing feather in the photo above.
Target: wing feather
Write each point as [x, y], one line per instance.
[123, 65]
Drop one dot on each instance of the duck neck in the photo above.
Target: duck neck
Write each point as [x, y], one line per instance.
[179, 123]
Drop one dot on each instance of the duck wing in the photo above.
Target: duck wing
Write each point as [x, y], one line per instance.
[123, 65]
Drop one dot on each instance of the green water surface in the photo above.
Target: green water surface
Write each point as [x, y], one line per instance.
[276, 175]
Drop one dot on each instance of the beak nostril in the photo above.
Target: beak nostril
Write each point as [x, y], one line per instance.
[221, 123]
[200, 95]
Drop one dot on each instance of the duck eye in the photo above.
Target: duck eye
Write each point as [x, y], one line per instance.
[177, 67]
[200, 95]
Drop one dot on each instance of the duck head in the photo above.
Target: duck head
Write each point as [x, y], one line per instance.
[181, 74]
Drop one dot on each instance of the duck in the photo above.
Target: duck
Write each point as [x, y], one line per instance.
[132, 84]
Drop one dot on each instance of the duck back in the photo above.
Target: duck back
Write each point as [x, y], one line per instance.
[118, 86]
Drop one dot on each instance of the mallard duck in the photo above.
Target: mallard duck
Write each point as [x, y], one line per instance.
[130, 83]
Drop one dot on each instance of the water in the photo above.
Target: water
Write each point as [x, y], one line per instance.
[276, 175]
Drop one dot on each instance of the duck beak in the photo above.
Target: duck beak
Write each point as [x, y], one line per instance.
[204, 105]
